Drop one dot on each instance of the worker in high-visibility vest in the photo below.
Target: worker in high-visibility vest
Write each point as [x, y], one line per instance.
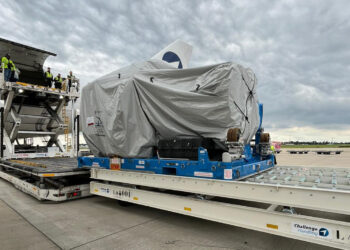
[274, 153]
[12, 67]
[70, 79]
[58, 81]
[48, 78]
[5, 67]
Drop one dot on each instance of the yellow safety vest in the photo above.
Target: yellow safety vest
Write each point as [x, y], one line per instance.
[4, 62]
[48, 74]
[58, 79]
[12, 65]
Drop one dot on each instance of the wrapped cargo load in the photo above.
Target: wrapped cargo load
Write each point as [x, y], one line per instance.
[126, 112]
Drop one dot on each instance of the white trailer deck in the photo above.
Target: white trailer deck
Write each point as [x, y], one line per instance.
[286, 208]
[54, 179]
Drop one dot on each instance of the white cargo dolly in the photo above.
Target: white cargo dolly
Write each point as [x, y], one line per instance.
[315, 213]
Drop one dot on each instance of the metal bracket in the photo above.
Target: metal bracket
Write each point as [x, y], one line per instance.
[8, 103]
[17, 124]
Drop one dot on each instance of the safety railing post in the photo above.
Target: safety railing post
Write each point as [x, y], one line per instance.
[2, 132]
[78, 132]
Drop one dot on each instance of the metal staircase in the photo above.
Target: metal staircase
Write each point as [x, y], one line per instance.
[67, 138]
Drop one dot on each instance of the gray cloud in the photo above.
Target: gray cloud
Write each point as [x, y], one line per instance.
[298, 49]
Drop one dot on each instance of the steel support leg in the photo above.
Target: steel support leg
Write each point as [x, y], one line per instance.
[2, 132]
[54, 113]
[8, 103]
[17, 124]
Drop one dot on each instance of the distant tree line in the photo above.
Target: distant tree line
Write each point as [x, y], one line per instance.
[313, 143]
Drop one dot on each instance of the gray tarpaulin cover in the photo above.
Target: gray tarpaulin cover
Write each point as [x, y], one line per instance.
[125, 112]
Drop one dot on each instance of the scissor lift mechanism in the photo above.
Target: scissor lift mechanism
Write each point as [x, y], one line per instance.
[11, 90]
[310, 204]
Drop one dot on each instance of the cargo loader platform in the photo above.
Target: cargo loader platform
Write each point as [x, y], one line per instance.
[45, 172]
[54, 179]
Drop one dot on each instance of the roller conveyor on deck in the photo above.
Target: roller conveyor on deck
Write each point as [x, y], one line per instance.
[46, 167]
[315, 177]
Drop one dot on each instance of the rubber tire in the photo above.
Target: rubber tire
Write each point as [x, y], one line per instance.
[124, 203]
[233, 134]
[265, 137]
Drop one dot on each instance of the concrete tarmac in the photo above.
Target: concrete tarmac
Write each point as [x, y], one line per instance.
[101, 223]
[313, 159]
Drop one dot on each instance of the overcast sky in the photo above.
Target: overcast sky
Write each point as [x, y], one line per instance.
[299, 50]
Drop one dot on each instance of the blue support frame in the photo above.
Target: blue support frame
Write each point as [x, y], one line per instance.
[203, 168]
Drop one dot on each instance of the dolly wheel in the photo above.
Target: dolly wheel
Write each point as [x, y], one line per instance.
[233, 134]
[265, 137]
[124, 203]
